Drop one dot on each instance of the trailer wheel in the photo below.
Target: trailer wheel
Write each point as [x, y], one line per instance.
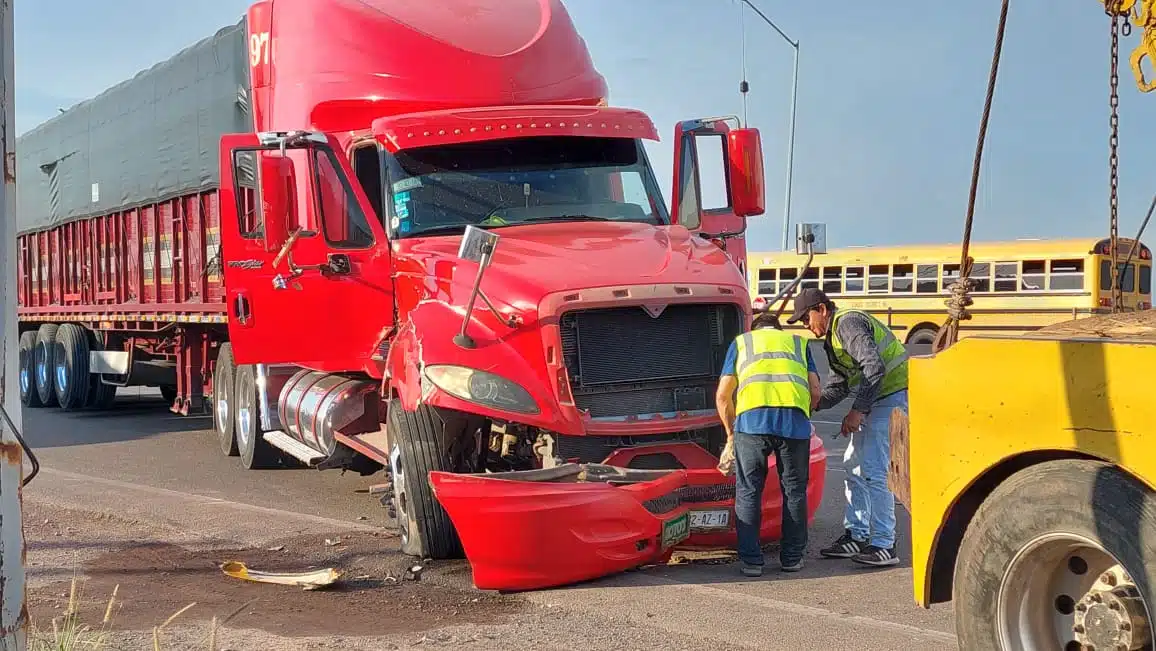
[223, 400]
[43, 358]
[100, 395]
[169, 393]
[71, 379]
[417, 448]
[256, 453]
[1060, 555]
[28, 395]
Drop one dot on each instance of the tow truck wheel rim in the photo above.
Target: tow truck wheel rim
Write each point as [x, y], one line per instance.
[399, 493]
[1047, 580]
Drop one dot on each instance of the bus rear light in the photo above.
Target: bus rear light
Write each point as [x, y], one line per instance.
[1144, 305]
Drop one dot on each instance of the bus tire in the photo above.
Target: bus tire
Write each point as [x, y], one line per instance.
[416, 449]
[44, 362]
[28, 394]
[224, 398]
[256, 452]
[101, 395]
[922, 336]
[1036, 545]
[71, 377]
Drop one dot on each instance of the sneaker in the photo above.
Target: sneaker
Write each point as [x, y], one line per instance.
[844, 547]
[752, 570]
[876, 556]
[792, 567]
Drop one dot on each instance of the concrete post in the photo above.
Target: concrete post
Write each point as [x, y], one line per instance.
[13, 612]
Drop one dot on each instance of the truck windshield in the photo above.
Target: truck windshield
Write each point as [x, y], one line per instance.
[495, 183]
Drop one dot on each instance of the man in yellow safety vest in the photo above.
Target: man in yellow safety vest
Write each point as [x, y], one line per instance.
[776, 383]
[865, 356]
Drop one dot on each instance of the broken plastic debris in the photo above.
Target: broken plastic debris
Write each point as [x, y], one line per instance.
[277, 548]
[414, 573]
[306, 580]
[331, 542]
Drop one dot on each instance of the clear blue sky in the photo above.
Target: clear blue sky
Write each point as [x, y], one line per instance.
[889, 100]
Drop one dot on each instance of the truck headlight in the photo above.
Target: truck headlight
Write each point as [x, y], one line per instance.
[482, 388]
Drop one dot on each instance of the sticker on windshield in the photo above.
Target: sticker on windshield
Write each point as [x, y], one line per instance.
[394, 223]
[407, 184]
[401, 211]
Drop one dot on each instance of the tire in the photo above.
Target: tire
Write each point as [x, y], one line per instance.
[169, 393]
[29, 397]
[100, 395]
[416, 449]
[922, 337]
[44, 361]
[1013, 583]
[71, 377]
[224, 398]
[256, 453]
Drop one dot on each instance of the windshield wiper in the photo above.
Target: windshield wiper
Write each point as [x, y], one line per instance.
[448, 229]
[563, 218]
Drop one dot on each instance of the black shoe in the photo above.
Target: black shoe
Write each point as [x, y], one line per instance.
[791, 567]
[844, 547]
[876, 557]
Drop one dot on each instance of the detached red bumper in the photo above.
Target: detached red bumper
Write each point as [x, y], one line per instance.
[545, 528]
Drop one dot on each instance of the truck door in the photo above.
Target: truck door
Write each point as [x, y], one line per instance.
[307, 267]
[728, 155]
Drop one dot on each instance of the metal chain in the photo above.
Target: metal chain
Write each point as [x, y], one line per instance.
[1119, 22]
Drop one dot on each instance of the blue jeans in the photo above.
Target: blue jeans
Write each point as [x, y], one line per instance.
[792, 460]
[870, 514]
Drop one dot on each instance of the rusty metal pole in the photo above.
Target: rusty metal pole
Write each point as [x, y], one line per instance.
[13, 613]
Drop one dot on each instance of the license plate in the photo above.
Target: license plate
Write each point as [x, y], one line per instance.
[715, 519]
[675, 530]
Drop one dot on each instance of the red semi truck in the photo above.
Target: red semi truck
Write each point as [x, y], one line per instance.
[377, 235]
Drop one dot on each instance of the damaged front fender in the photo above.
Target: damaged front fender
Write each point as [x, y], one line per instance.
[578, 522]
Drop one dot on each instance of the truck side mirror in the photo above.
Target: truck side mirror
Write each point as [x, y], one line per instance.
[748, 188]
[278, 197]
[810, 239]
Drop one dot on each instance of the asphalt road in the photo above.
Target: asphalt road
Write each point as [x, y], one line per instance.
[142, 459]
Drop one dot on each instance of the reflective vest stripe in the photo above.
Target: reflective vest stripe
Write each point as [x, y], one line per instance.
[748, 359]
[774, 377]
[891, 350]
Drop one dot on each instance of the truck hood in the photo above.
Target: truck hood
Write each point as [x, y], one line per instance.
[536, 260]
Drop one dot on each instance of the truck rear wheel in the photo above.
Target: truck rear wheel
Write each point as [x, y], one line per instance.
[29, 397]
[416, 449]
[100, 394]
[44, 360]
[256, 452]
[224, 397]
[71, 377]
[1060, 555]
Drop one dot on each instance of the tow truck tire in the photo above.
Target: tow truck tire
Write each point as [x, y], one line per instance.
[1090, 503]
[256, 452]
[416, 441]
[100, 395]
[45, 363]
[71, 377]
[29, 397]
[224, 398]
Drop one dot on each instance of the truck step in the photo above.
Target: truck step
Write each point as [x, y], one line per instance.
[294, 448]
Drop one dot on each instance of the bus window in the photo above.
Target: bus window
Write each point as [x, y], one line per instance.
[1033, 277]
[877, 279]
[833, 280]
[1127, 278]
[927, 283]
[1069, 274]
[767, 282]
[981, 277]
[810, 279]
[950, 276]
[854, 280]
[786, 275]
[903, 278]
[1145, 279]
[1006, 276]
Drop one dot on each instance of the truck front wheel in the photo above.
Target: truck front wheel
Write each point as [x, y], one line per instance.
[224, 398]
[417, 447]
[1061, 555]
[256, 453]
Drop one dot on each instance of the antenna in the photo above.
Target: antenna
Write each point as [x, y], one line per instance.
[744, 85]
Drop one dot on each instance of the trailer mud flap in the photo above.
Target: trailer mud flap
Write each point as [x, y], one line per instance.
[545, 528]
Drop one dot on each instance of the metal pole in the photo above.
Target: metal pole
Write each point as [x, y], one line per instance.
[791, 153]
[13, 614]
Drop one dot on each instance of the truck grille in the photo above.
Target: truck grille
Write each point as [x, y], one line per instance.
[624, 362]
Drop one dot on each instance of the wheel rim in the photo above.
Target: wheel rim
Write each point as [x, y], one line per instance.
[222, 404]
[61, 377]
[244, 419]
[25, 381]
[42, 371]
[1052, 596]
[400, 501]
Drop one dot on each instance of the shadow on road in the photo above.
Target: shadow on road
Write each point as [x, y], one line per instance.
[133, 417]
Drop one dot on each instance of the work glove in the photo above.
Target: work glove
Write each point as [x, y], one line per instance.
[726, 462]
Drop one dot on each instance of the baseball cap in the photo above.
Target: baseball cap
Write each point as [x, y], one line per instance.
[805, 301]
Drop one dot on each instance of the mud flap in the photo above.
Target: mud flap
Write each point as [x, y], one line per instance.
[899, 473]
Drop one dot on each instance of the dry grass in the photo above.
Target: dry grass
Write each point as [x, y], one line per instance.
[68, 633]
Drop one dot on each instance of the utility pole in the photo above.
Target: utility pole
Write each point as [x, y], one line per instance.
[13, 613]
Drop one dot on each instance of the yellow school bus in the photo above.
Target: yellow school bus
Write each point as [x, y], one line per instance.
[1019, 286]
